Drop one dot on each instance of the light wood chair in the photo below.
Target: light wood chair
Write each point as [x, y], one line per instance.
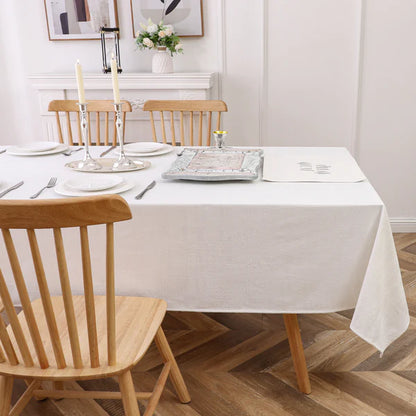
[96, 107]
[59, 338]
[203, 109]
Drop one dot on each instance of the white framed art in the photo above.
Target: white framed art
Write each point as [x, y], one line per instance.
[184, 15]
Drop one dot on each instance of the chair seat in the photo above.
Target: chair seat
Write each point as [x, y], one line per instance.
[137, 321]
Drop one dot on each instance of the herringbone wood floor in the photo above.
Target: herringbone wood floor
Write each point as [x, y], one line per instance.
[239, 364]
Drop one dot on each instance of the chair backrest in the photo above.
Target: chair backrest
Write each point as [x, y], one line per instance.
[204, 110]
[96, 107]
[55, 215]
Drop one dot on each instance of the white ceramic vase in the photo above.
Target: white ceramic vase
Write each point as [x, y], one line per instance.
[162, 62]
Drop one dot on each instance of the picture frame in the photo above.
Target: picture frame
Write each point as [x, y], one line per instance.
[79, 19]
[186, 16]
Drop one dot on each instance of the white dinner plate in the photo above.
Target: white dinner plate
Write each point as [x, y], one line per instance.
[93, 183]
[166, 148]
[17, 151]
[143, 147]
[38, 146]
[64, 190]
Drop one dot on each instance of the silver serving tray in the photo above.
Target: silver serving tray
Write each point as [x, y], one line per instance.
[214, 164]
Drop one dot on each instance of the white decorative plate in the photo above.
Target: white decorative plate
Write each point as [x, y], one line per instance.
[38, 146]
[166, 148]
[63, 190]
[93, 183]
[143, 147]
[17, 151]
[107, 165]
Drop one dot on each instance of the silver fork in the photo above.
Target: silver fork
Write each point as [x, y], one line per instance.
[70, 151]
[51, 184]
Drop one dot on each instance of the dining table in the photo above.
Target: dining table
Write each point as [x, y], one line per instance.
[234, 246]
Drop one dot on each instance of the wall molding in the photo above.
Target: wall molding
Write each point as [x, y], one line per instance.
[355, 134]
[403, 225]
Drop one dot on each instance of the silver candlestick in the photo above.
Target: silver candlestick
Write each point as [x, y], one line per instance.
[123, 161]
[88, 163]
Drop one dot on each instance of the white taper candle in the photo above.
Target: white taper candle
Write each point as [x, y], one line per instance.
[114, 75]
[80, 83]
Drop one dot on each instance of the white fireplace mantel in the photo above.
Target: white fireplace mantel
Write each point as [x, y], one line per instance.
[134, 87]
[134, 81]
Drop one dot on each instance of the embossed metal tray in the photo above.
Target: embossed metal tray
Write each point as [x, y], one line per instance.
[214, 164]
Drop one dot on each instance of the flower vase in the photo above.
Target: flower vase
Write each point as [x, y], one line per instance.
[162, 62]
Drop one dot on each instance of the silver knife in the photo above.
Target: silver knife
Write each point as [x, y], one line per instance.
[3, 151]
[18, 185]
[148, 187]
[108, 150]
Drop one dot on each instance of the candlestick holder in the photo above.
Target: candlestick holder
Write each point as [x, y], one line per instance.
[123, 161]
[88, 163]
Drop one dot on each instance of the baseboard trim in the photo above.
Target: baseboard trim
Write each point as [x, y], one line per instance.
[403, 225]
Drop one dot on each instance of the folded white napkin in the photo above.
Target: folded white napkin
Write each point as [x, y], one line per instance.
[315, 165]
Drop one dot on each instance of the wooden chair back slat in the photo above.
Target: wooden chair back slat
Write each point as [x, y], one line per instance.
[55, 215]
[209, 128]
[79, 130]
[89, 298]
[205, 108]
[97, 129]
[94, 106]
[46, 300]
[67, 298]
[2, 357]
[200, 129]
[7, 344]
[58, 125]
[162, 123]
[15, 323]
[110, 292]
[114, 131]
[124, 125]
[191, 128]
[89, 127]
[69, 129]
[172, 127]
[182, 129]
[25, 299]
[106, 125]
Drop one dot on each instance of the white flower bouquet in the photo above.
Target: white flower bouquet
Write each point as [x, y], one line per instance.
[153, 36]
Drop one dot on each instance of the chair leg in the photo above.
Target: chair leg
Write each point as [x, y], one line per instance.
[175, 374]
[6, 389]
[296, 349]
[128, 394]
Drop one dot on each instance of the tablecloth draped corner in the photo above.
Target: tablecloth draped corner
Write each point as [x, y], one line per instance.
[381, 313]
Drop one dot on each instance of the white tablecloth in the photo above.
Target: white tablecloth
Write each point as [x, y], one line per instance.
[239, 247]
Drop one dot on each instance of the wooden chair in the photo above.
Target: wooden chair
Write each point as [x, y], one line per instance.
[186, 108]
[96, 107]
[76, 337]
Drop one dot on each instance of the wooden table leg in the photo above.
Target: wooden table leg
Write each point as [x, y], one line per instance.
[296, 349]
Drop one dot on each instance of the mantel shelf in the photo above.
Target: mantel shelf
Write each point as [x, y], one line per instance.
[133, 81]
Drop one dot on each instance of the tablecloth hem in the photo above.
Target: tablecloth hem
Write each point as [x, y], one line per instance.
[374, 343]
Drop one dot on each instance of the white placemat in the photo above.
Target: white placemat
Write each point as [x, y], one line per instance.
[310, 166]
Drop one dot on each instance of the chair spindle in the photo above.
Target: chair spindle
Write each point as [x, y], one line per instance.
[25, 299]
[46, 300]
[89, 298]
[110, 291]
[7, 344]
[67, 298]
[162, 123]
[15, 323]
[191, 128]
[172, 128]
[58, 123]
[209, 128]
[97, 128]
[200, 129]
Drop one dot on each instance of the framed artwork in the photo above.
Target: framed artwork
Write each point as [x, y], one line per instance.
[184, 15]
[79, 19]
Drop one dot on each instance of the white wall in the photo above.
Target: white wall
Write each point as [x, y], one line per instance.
[293, 72]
